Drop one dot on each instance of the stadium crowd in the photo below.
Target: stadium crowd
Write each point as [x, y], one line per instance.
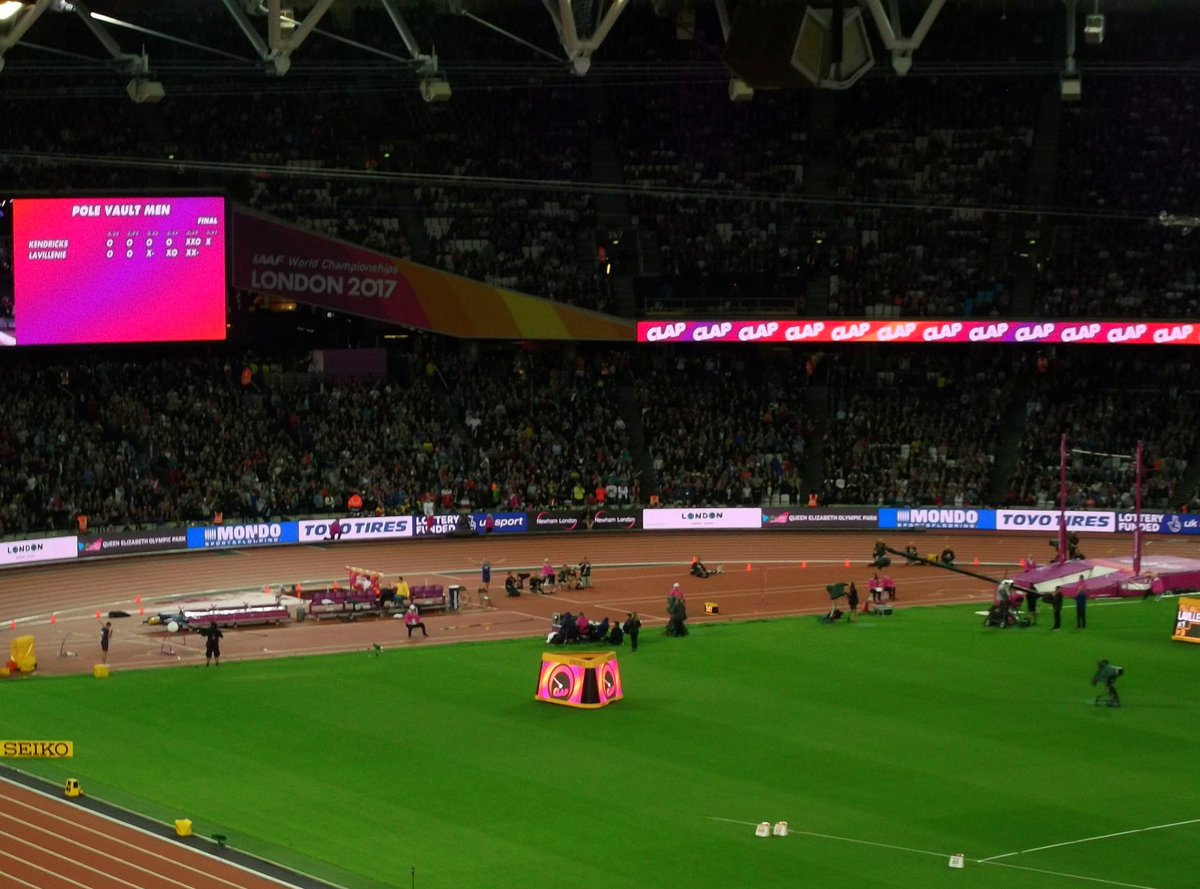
[920, 429]
[724, 429]
[252, 436]
[1104, 408]
[257, 438]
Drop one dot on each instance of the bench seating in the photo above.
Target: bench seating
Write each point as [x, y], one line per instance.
[341, 604]
[234, 616]
[428, 597]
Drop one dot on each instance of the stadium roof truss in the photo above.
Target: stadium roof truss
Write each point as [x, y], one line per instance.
[581, 25]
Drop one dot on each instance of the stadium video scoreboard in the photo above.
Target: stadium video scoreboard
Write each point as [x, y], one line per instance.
[117, 270]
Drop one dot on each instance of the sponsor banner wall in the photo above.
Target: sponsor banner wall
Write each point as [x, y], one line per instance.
[616, 519]
[702, 518]
[498, 522]
[1047, 520]
[41, 549]
[342, 528]
[1187, 620]
[839, 330]
[258, 534]
[129, 542]
[824, 519]
[1159, 523]
[942, 518]
[441, 526]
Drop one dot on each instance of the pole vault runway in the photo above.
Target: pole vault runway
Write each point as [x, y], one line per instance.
[51, 843]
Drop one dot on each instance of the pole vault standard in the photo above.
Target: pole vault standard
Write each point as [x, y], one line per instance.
[1062, 499]
[1137, 499]
[1137, 514]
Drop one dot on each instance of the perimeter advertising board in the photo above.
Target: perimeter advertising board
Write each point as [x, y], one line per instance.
[129, 542]
[822, 519]
[257, 534]
[1187, 621]
[703, 518]
[939, 518]
[498, 522]
[1048, 520]
[1159, 523]
[441, 526]
[41, 549]
[617, 519]
[351, 528]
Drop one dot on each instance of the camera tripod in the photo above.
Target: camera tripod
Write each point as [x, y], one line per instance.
[1110, 698]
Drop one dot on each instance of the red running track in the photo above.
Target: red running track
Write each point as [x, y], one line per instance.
[50, 843]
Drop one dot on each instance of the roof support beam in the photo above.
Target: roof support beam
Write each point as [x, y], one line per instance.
[277, 50]
[579, 52]
[426, 62]
[243, 22]
[21, 23]
[98, 30]
[889, 30]
[281, 47]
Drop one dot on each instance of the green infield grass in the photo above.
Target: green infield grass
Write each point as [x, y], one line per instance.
[887, 746]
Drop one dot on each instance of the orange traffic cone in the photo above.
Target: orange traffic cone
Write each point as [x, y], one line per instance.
[975, 561]
[97, 615]
[54, 618]
[847, 565]
[804, 564]
[747, 566]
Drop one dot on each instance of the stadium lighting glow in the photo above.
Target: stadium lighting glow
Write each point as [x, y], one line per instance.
[9, 9]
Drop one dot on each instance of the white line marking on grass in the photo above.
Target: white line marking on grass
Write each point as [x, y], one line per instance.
[992, 861]
[826, 836]
[1056, 873]
[1106, 836]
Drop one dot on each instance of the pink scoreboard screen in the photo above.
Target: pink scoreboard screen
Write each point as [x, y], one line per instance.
[117, 270]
